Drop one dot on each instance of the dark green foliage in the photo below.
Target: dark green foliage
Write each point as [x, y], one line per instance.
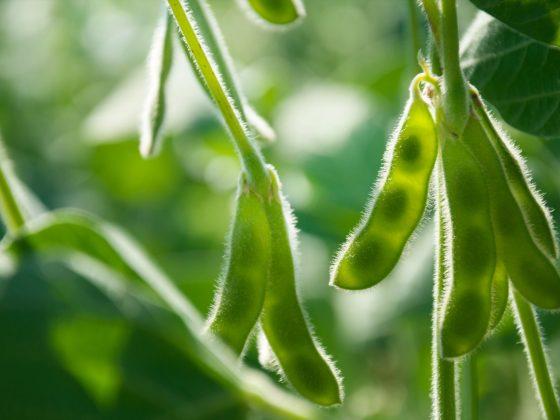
[539, 19]
[517, 75]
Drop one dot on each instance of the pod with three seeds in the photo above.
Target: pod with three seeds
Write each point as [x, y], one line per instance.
[472, 257]
[374, 248]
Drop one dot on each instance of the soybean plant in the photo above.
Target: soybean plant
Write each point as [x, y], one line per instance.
[495, 235]
[257, 289]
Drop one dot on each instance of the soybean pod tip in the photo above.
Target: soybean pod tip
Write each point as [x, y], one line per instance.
[274, 13]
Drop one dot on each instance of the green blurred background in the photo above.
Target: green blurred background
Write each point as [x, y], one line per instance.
[72, 83]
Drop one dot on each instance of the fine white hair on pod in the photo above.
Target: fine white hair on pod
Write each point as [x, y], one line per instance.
[377, 186]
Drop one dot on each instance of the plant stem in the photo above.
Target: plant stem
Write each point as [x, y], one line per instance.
[433, 15]
[214, 42]
[434, 42]
[434, 56]
[249, 154]
[470, 388]
[531, 335]
[474, 387]
[455, 95]
[416, 43]
[11, 213]
[443, 392]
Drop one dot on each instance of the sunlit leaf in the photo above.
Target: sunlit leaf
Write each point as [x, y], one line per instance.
[519, 76]
[540, 19]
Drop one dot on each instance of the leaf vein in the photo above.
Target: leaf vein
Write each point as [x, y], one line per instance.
[494, 56]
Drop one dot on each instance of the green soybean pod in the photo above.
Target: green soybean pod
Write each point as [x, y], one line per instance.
[301, 360]
[532, 205]
[500, 295]
[397, 205]
[240, 295]
[159, 67]
[471, 258]
[531, 271]
[278, 12]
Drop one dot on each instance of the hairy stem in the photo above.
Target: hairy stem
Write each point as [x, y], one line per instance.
[455, 93]
[444, 405]
[249, 154]
[433, 15]
[213, 41]
[530, 333]
[434, 56]
[415, 38]
[215, 46]
[469, 373]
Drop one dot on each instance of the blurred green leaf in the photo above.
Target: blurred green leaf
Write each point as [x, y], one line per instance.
[65, 232]
[129, 178]
[89, 348]
[70, 351]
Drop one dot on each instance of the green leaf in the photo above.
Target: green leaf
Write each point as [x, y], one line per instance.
[73, 234]
[519, 76]
[89, 348]
[539, 19]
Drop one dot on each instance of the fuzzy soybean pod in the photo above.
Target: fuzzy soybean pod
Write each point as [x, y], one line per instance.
[278, 12]
[398, 203]
[240, 295]
[531, 271]
[532, 206]
[301, 360]
[472, 254]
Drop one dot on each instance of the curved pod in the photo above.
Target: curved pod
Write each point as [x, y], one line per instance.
[532, 206]
[299, 357]
[531, 271]
[398, 203]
